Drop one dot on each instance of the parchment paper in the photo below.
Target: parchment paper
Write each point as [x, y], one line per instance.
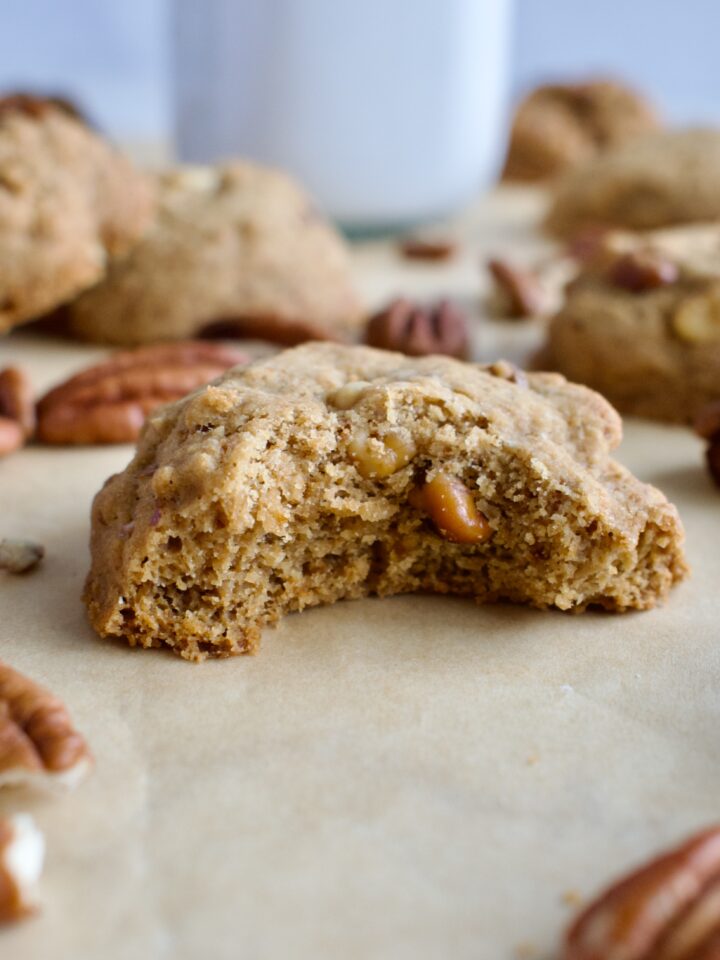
[409, 778]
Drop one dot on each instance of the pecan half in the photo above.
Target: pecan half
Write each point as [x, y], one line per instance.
[419, 330]
[108, 403]
[642, 270]
[427, 248]
[517, 292]
[38, 742]
[285, 331]
[707, 426]
[11, 436]
[16, 399]
[666, 910]
[22, 851]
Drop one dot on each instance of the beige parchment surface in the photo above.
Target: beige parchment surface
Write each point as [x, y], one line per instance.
[407, 778]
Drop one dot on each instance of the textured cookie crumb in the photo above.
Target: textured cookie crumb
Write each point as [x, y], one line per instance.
[293, 482]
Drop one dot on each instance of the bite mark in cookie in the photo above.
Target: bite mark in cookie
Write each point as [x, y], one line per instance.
[331, 472]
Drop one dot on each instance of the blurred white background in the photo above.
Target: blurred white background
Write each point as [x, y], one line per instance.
[114, 56]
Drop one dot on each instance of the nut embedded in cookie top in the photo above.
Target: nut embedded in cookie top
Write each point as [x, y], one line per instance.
[328, 472]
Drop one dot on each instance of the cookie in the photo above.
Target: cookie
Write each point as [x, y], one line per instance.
[559, 126]
[68, 201]
[330, 472]
[660, 180]
[641, 323]
[236, 250]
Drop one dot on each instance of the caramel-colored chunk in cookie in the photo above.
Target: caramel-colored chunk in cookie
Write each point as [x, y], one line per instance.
[330, 472]
[236, 247]
[68, 202]
[562, 125]
[641, 323]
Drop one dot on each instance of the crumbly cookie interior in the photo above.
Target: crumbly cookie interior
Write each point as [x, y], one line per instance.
[294, 483]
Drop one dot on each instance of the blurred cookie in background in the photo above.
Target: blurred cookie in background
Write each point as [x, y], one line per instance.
[560, 126]
[641, 323]
[68, 202]
[236, 250]
[666, 178]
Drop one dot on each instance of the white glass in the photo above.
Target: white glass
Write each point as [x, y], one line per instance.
[390, 111]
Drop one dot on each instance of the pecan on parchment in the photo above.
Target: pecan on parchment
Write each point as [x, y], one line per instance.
[668, 909]
[17, 409]
[284, 331]
[38, 742]
[517, 292]
[707, 426]
[108, 403]
[418, 330]
[22, 851]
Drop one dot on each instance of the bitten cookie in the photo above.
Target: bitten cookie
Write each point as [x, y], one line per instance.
[329, 472]
[663, 179]
[237, 248]
[641, 323]
[559, 126]
[68, 200]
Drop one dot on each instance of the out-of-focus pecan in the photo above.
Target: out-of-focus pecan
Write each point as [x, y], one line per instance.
[707, 426]
[16, 399]
[669, 909]
[641, 270]
[451, 507]
[517, 292]
[285, 331]
[11, 436]
[38, 742]
[419, 330]
[108, 403]
[427, 248]
[20, 556]
[587, 243]
[22, 851]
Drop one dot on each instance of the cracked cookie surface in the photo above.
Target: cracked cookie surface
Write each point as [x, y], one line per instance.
[641, 323]
[237, 244]
[330, 472]
[658, 180]
[68, 202]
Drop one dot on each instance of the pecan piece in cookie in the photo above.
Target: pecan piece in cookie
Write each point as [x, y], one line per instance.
[38, 742]
[22, 851]
[418, 330]
[108, 403]
[669, 909]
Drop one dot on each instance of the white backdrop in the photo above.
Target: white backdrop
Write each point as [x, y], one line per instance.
[113, 53]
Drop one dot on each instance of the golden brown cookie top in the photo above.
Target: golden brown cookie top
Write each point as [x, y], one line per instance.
[68, 201]
[238, 242]
[662, 179]
[562, 125]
